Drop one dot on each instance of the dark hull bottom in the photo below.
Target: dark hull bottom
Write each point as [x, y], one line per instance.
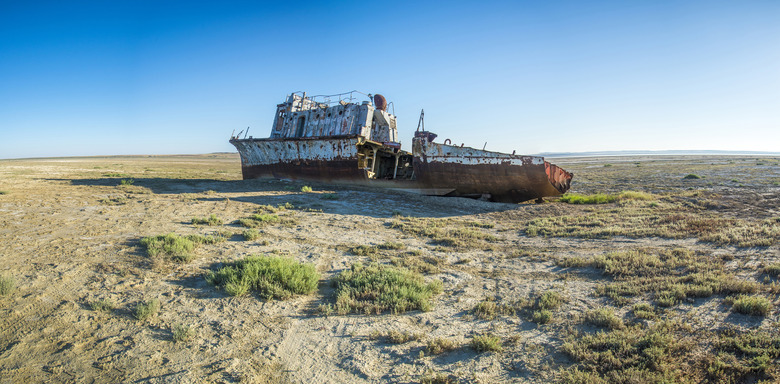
[500, 183]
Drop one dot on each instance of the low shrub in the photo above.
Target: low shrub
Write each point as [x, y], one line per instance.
[270, 276]
[398, 337]
[437, 378]
[306, 189]
[541, 316]
[644, 311]
[102, 305]
[147, 309]
[440, 345]
[212, 220]
[183, 332]
[489, 310]
[7, 284]
[486, 343]
[364, 250]
[250, 234]
[598, 198]
[772, 269]
[750, 305]
[604, 317]
[692, 176]
[170, 247]
[378, 288]
[549, 300]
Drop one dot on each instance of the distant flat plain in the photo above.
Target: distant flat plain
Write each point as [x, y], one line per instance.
[651, 285]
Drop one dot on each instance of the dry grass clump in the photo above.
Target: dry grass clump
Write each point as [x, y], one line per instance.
[212, 220]
[270, 276]
[488, 309]
[377, 288]
[446, 232]
[7, 284]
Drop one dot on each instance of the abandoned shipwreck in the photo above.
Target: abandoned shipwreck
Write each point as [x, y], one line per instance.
[336, 140]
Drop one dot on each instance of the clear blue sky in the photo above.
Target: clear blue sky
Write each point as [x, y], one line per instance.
[161, 77]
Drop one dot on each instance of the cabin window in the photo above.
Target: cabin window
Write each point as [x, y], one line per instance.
[301, 124]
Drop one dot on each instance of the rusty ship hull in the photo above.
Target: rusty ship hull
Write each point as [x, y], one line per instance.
[356, 144]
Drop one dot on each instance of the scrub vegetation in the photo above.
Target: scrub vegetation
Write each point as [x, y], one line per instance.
[379, 288]
[272, 277]
[637, 276]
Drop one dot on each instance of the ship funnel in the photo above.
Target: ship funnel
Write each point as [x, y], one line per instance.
[380, 102]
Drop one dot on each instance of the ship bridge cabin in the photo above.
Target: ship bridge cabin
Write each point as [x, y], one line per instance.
[321, 117]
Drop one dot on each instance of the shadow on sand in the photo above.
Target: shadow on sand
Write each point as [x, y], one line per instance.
[327, 198]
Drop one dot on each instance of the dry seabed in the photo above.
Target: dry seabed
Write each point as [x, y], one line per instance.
[70, 232]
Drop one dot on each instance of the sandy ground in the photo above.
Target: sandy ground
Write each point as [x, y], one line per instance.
[69, 235]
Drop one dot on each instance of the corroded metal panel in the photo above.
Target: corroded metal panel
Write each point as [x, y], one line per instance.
[473, 172]
[271, 151]
[318, 159]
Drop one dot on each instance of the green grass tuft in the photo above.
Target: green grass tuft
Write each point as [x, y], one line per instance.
[103, 305]
[598, 198]
[183, 332]
[7, 284]
[147, 309]
[750, 305]
[212, 220]
[169, 247]
[306, 189]
[270, 276]
[250, 234]
[692, 176]
[489, 310]
[604, 317]
[440, 345]
[486, 343]
[378, 288]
